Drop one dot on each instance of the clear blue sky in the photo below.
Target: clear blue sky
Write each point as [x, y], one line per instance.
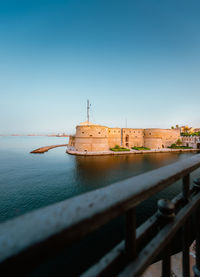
[138, 60]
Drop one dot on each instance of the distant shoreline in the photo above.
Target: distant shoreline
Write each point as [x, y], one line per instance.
[32, 135]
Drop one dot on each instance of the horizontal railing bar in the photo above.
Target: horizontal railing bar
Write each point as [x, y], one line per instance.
[61, 224]
[117, 253]
[178, 199]
[156, 245]
[113, 257]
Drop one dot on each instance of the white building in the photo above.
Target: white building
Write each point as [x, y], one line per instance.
[191, 141]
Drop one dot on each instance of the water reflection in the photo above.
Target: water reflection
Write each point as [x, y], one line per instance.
[98, 171]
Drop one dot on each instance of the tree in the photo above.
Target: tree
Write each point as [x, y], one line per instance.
[172, 127]
[178, 142]
[186, 129]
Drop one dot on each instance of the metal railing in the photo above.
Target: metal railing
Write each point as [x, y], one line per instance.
[25, 241]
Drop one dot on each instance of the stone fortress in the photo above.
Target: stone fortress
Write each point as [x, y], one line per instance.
[91, 137]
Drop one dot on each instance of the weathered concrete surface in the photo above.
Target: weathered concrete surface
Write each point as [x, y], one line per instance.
[46, 148]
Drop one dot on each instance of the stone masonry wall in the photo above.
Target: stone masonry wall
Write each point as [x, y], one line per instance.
[91, 138]
[133, 137]
[94, 138]
[114, 137]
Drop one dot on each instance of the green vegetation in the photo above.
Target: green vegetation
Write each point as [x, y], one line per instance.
[140, 148]
[178, 142]
[118, 148]
[175, 146]
[178, 145]
[186, 134]
[176, 127]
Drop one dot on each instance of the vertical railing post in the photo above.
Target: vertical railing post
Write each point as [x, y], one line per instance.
[166, 262]
[131, 234]
[186, 188]
[185, 253]
[166, 213]
[185, 230]
[196, 268]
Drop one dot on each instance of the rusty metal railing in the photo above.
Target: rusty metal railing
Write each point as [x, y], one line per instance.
[28, 239]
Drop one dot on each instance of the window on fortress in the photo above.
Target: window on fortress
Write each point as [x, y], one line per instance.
[90, 135]
[99, 132]
[82, 132]
[118, 131]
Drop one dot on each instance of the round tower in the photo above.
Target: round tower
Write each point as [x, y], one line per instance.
[156, 138]
[91, 137]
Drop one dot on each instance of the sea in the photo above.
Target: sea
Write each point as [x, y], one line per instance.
[31, 181]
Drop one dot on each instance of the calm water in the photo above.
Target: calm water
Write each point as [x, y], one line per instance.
[29, 181]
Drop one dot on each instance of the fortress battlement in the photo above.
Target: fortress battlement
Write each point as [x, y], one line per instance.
[93, 137]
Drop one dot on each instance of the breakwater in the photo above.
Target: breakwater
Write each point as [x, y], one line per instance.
[46, 148]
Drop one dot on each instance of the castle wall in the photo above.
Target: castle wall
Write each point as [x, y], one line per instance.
[114, 137]
[94, 138]
[91, 144]
[160, 138]
[133, 137]
[71, 141]
[153, 143]
[91, 138]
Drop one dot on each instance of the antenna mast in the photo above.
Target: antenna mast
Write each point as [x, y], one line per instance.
[88, 111]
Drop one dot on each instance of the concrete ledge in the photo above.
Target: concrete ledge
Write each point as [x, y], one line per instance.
[109, 152]
[46, 148]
